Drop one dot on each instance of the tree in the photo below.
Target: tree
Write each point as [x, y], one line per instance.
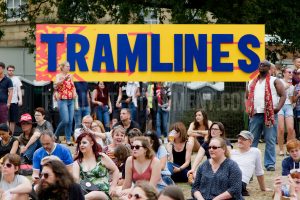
[280, 17]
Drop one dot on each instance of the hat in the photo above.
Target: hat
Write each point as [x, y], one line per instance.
[26, 118]
[247, 135]
[4, 127]
[265, 63]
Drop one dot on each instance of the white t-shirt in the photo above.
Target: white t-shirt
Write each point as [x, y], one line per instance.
[19, 179]
[131, 90]
[289, 91]
[17, 86]
[249, 163]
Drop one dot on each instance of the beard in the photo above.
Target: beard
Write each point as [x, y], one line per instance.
[51, 191]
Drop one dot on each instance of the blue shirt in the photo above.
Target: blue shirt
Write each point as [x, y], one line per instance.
[81, 90]
[5, 85]
[60, 151]
[288, 164]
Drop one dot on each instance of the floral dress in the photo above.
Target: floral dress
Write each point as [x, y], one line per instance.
[99, 176]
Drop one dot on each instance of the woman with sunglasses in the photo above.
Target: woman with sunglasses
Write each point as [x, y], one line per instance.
[142, 191]
[13, 185]
[8, 143]
[286, 114]
[199, 128]
[216, 130]
[142, 165]
[118, 137]
[180, 152]
[95, 167]
[292, 162]
[161, 154]
[102, 100]
[218, 177]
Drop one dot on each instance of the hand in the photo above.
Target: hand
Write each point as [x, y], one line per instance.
[20, 103]
[176, 169]
[267, 190]
[110, 110]
[128, 100]
[35, 180]
[191, 171]
[23, 149]
[100, 103]
[277, 185]
[118, 105]
[8, 105]
[67, 76]
[112, 192]
[276, 110]
[6, 195]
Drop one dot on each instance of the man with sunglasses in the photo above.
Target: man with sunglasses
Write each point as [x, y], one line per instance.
[49, 147]
[57, 183]
[249, 160]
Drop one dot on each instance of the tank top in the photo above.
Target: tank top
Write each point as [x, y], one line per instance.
[99, 176]
[102, 96]
[146, 175]
[66, 90]
[179, 157]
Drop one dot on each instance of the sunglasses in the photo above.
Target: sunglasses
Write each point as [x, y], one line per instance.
[136, 196]
[137, 147]
[213, 147]
[45, 175]
[8, 165]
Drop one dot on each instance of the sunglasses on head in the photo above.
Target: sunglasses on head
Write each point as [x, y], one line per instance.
[136, 196]
[45, 175]
[8, 165]
[213, 147]
[137, 147]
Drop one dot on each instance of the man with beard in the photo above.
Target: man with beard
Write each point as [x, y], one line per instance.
[125, 120]
[57, 183]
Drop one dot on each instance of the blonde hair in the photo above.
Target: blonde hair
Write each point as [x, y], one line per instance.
[63, 64]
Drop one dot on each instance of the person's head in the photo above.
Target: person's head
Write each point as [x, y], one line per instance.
[133, 133]
[141, 147]
[264, 67]
[47, 139]
[2, 68]
[10, 70]
[181, 132]
[10, 164]
[101, 85]
[39, 114]
[153, 139]
[218, 148]
[287, 73]
[55, 175]
[125, 114]
[245, 139]
[86, 142]
[64, 67]
[296, 61]
[4, 131]
[122, 152]
[87, 121]
[118, 135]
[200, 117]
[48, 158]
[97, 126]
[171, 192]
[26, 122]
[216, 130]
[143, 191]
[293, 147]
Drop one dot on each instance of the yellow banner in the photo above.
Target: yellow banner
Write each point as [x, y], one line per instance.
[150, 52]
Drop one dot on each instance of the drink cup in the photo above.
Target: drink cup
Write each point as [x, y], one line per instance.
[295, 173]
[171, 136]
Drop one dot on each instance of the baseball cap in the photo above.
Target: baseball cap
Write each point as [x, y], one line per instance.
[4, 127]
[26, 118]
[247, 135]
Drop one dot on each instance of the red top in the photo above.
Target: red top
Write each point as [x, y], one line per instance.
[102, 96]
[66, 90]
[146, 175]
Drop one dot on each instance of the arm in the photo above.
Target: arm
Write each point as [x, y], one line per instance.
[94, 96]
[281, 93]
[224, 195]
[128, 174]
[112, 167]
[23, 188]
[88, 97]
[10, 93]
[169, 150]
[109, 104]
[70, 168]
[196, 186]
[156, 172]
[15, 147]
[76, 171]
[261, 182]
[198, 159]
[36, 135]
[118, 103]
[35, 176]
[163, 161]
[20, 100]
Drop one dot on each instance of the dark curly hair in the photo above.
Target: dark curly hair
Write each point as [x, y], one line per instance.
[64, 180]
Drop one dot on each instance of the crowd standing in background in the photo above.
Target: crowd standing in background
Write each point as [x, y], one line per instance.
[126, 150]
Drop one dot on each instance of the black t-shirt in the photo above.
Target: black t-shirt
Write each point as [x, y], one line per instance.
[133, 124]
[5, 148]
[5, 84]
